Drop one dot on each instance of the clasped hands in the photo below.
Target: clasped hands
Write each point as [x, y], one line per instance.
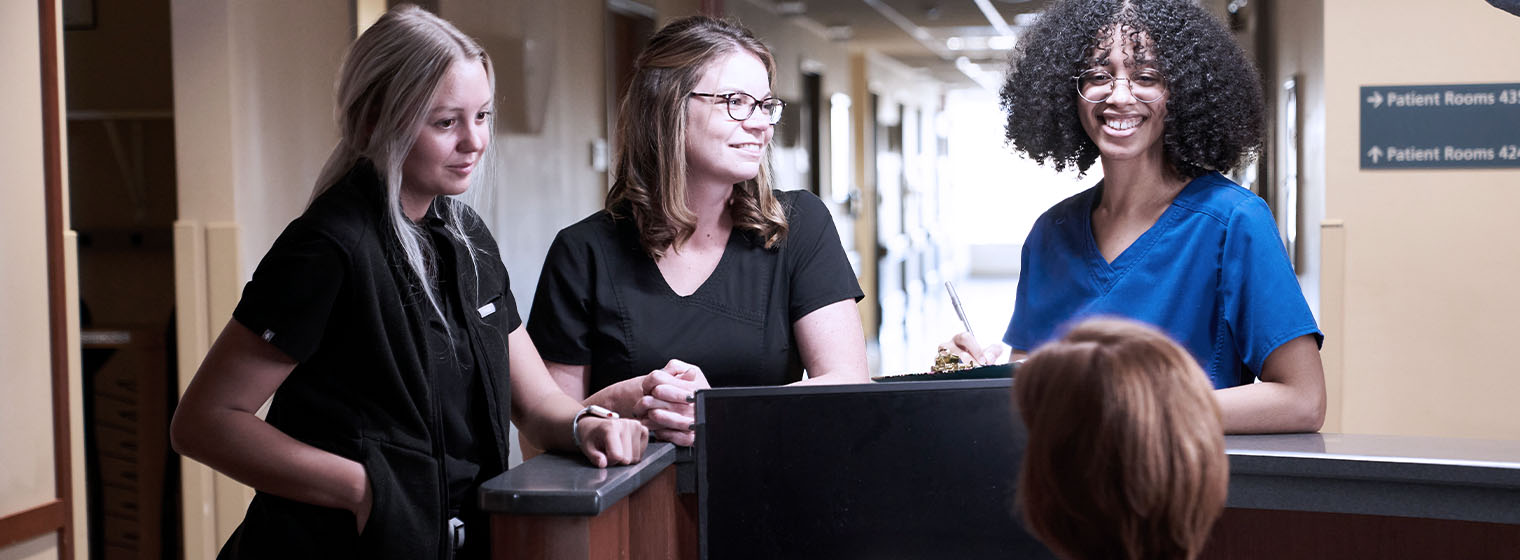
[668, 407]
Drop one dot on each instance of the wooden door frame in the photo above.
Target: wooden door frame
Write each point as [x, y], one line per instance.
[56, 515]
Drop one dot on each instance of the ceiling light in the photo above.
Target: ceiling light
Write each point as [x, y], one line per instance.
[839, 32]
[790, 8]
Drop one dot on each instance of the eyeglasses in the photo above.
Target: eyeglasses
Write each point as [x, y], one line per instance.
[741, 106]
[1096, 86]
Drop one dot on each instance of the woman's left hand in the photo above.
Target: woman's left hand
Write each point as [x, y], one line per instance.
[612, 441]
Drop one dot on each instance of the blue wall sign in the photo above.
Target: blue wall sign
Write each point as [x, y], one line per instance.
[1441, 126]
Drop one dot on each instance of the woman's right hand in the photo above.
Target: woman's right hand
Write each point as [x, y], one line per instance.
[612, 441]
[668, 406]
[966, 347]
[366, 503]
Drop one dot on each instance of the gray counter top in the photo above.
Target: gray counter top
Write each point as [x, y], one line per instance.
[1438, 478]
[1500, 454]
[552, 484]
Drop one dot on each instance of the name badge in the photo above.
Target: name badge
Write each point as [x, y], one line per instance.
[488, 309]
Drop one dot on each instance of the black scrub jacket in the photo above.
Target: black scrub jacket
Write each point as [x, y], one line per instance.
[334, 295]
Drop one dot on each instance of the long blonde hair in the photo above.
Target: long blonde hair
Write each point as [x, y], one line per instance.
[1125, 457]
[649, 182]
[385, 89]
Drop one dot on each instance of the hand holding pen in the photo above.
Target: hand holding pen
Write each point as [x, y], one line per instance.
[965, 344]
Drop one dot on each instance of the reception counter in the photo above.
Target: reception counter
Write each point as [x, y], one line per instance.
[561, 507]
[1370, 496]
[1421, 477]
[1291, 496]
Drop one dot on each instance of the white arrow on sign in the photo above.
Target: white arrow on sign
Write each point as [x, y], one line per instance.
[1374, 153]
[1376, 99]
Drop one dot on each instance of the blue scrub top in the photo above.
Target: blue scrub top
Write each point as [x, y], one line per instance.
[1211, 273]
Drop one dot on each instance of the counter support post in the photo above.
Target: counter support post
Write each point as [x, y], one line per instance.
[653, 523]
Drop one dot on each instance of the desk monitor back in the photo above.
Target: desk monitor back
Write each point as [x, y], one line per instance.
[891, 470]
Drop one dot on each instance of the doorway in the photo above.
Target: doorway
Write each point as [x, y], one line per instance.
[122, 203]
[629, 26]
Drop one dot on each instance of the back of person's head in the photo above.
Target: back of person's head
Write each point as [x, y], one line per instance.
[385, 90]
[1125, 456]
[649, 179]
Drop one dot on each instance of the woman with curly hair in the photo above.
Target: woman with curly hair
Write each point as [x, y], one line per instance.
[695, 261]
[1160, 94]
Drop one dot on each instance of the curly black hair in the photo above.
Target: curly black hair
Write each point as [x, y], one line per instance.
[1214, 108]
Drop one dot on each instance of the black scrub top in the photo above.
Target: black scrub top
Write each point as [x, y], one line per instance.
[602, 302]
[467, 442]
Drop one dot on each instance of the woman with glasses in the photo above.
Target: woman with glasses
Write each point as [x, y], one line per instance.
[380, 321]
[1159, 93]
[696, 271]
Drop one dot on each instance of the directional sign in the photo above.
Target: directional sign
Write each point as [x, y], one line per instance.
[1440, 126]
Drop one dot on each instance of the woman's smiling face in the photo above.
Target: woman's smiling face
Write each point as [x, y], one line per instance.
[719, 148]
[450, 139]
[1123, 126]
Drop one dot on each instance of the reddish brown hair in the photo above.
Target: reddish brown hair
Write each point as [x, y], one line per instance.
[1125, 457]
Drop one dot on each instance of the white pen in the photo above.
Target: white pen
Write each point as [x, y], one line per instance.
[955, 300]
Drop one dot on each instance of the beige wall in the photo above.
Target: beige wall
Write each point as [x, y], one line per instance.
[253, 98]
[1429, 304]
[26, 411]
[40, 548]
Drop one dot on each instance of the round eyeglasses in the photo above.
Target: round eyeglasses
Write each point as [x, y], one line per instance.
[1096, 86]
[741, 106]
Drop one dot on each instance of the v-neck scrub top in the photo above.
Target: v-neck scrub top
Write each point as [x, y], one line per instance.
[602, 302]
[1211, 273]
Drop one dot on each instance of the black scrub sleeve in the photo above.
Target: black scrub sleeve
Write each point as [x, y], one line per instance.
[816, 264]
[560, 321]
[292, 293]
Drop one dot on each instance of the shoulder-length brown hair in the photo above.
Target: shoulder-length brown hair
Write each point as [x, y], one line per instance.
[1125, 457]
[649, 182]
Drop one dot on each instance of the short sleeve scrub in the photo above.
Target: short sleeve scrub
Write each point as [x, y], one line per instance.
[1211, 273]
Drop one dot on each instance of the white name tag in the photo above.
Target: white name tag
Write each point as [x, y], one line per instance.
[487, 310]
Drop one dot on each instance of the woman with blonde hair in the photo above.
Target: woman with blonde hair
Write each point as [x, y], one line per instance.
[380, 322]
[1125, 455]
[696, 265]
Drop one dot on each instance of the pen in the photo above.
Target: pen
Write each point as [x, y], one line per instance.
[955, 300]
